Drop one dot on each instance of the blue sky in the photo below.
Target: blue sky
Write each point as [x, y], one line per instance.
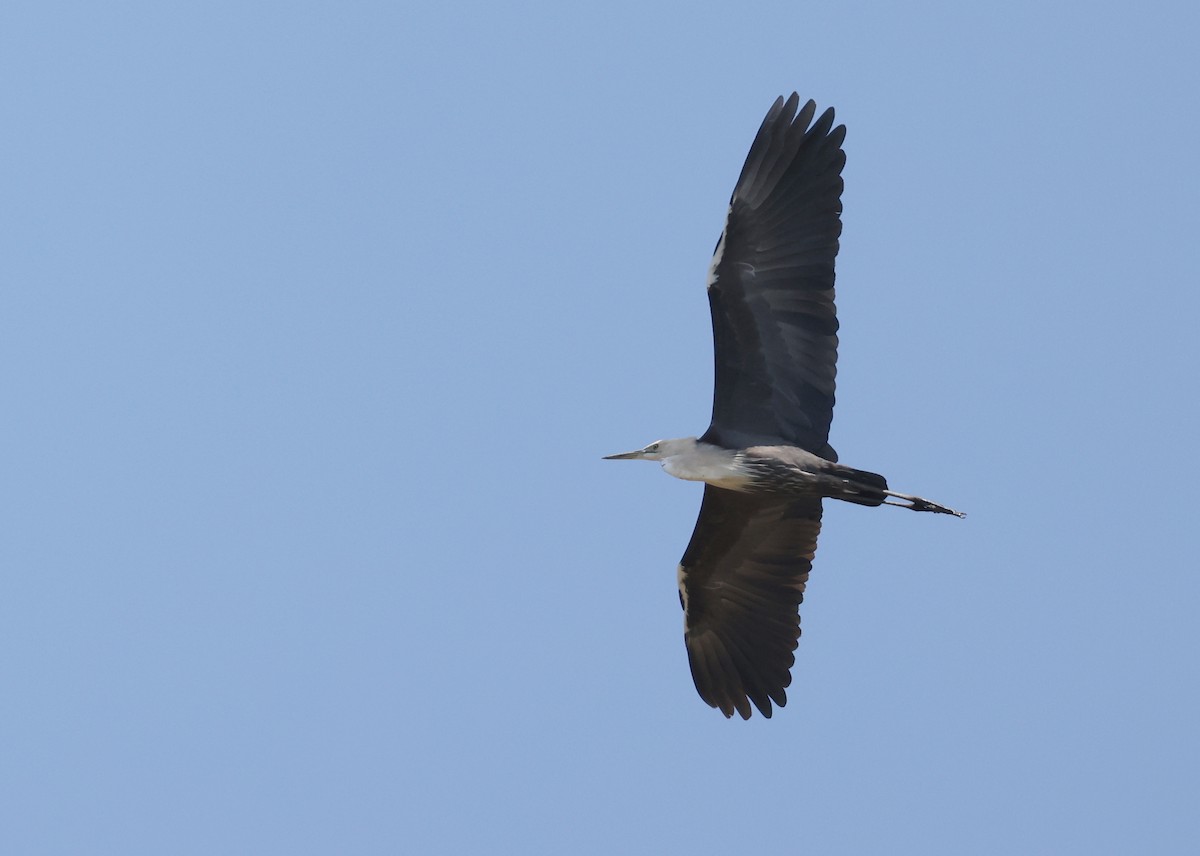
[316, 320]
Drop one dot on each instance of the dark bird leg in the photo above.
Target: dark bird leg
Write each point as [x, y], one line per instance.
[916, 503]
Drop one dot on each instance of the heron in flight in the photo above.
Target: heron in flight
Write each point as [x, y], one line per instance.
[765, 459]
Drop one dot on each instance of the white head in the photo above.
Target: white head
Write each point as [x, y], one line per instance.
[658, 451]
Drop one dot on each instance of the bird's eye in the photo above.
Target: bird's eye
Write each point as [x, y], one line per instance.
[653, 447]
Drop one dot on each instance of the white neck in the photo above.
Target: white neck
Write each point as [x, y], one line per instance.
[710, 464]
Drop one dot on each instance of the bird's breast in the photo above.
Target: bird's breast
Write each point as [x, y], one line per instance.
[716, 473]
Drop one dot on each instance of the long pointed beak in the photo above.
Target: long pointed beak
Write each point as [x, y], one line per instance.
[625, 456]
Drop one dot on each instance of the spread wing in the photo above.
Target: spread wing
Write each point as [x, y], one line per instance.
[741, 583]
[770, 287]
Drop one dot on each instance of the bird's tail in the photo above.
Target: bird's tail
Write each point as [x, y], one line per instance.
[864, 488]
[857, 486]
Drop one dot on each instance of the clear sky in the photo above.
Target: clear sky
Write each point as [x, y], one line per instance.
[316, 319]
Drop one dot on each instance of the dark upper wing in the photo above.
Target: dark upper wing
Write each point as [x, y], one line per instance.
[771, 286]
[741, 582]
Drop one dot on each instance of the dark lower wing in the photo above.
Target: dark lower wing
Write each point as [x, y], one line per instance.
[741, 583]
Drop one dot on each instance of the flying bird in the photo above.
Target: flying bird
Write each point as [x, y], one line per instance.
[765, 459]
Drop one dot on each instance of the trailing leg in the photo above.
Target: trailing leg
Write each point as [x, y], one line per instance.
[916, 503]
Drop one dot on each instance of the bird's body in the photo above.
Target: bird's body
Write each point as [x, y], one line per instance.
[765, 459]
[780, 470]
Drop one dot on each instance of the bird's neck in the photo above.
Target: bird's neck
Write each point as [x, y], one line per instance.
[710, 464]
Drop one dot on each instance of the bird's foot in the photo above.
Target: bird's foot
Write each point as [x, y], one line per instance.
[917, 503]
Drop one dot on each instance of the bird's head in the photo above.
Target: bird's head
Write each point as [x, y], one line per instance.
[659, 450]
